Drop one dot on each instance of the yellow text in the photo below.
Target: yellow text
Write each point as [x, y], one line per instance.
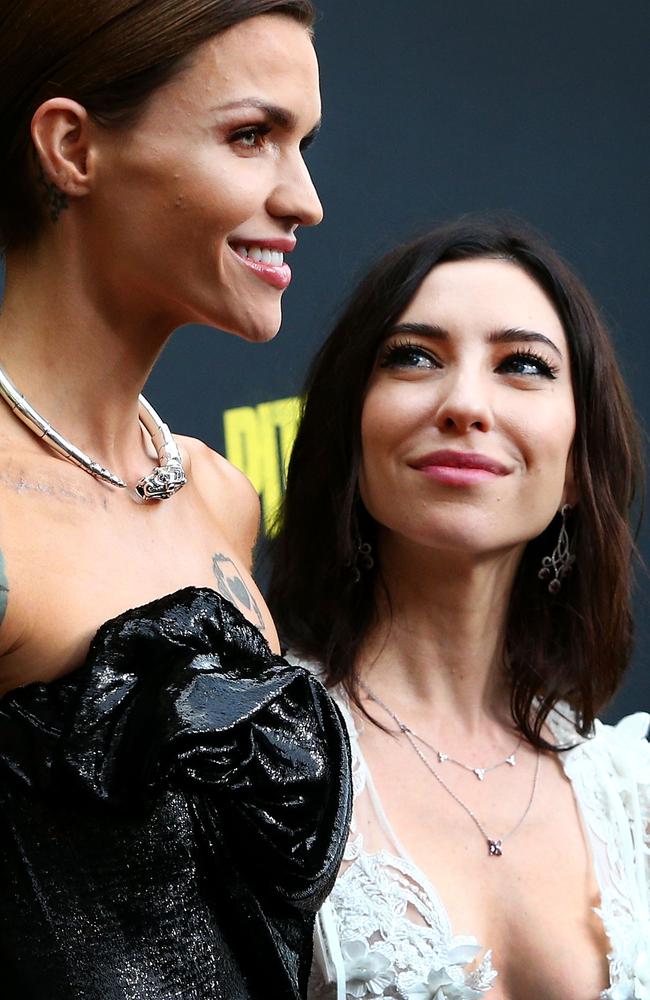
[258, 440]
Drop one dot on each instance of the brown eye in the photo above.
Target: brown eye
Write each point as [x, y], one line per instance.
[251, 137]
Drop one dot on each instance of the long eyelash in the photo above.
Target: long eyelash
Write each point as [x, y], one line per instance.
[390, 350]
[526, 352]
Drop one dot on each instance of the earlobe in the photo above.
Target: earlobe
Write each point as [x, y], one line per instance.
[60, 132]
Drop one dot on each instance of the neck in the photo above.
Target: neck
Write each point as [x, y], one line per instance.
[79, 362]
[437, 647]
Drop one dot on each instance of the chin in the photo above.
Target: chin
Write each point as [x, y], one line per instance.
[261, 335]
[259, 329]
[256, 326]
[466, 538]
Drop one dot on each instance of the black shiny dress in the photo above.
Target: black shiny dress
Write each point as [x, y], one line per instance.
[172, 814]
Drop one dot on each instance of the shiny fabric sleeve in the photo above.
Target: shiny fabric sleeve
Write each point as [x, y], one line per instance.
[280, 784]
[259, 743]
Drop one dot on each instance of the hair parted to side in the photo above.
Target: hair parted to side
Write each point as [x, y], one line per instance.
[574, 646]
[109, 55]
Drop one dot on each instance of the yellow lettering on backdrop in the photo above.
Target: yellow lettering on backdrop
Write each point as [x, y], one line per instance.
[258, 441]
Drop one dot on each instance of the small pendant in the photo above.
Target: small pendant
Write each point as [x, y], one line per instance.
[511, 760]
[479, 772]
[495, 848]
[442, 757]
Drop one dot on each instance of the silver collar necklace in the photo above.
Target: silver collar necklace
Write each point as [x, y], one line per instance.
[163, 482]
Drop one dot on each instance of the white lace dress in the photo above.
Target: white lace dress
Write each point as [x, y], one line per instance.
[384, 931]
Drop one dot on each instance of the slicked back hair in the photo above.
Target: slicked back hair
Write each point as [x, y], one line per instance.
[110, 56]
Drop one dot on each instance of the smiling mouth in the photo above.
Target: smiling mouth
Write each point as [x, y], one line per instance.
[260, 255]
[266, 263]
[458, 468]
[453, 459]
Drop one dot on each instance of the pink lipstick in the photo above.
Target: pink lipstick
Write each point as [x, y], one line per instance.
[460, 468]
[265, 258]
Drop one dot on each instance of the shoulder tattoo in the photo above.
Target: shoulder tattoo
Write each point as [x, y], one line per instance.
[231, 585]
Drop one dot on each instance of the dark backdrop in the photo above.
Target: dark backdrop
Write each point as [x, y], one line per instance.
[438, 107]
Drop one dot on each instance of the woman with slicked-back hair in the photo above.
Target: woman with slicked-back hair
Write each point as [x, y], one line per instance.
[173, 795]
[454, 560]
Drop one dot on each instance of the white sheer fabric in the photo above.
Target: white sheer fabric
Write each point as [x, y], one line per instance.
[384, 931]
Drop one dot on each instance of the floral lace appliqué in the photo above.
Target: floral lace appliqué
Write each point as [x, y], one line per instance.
[610, 774]
[369, 973]
[394, 933]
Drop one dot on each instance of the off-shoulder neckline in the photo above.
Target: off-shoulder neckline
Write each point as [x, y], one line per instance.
[174, 596]
[143, 611]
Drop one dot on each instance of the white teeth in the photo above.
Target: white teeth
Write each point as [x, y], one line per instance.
[273, 257]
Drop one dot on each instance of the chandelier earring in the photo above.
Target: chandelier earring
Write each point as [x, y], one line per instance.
[558, 565]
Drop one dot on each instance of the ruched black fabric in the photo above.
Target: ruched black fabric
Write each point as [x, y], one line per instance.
[172, 815]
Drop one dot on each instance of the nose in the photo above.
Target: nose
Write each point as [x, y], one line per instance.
[294, 196]
[464, 404]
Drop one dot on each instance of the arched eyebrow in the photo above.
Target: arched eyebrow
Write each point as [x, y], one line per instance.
[419, 329]
[281, 117]
[513, 335]
[519, 335]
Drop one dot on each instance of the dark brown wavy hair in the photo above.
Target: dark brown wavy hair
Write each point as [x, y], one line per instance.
[110, 56]
[573, 646]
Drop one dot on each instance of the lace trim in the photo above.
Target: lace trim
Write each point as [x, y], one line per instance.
[395, 934]
[380, 897]
[386, 953]
[610, 774]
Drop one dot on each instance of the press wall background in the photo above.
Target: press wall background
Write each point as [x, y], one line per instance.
[433, 108]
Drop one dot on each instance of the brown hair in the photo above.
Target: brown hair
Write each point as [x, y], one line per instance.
[109, 55]
[573, 646]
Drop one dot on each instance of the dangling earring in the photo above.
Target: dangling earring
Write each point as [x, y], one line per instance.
[556, 566]
[363, 559]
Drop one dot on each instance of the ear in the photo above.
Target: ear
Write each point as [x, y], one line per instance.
[61, 132]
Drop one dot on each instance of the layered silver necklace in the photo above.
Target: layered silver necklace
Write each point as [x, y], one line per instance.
[444, 758]
[166, 479]
[494, 844]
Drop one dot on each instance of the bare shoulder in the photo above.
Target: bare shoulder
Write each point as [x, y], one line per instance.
[229, 494]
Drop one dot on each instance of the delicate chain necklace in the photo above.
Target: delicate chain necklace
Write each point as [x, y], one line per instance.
[479, 772]
[494, 844]
[163, 482]
[444, 758]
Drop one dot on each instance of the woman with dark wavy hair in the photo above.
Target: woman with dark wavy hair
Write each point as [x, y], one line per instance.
[454, 560]
[173, 795]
